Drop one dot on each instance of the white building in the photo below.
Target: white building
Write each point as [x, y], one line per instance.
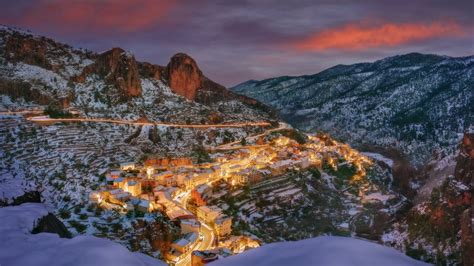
[127, 166]
[190, 225]
[208, 213]
[184, 244]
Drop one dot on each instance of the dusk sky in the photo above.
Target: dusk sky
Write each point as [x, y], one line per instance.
[234, 41]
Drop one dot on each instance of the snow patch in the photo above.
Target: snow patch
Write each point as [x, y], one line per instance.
[19, 247]
[325, 250]
[379, 157]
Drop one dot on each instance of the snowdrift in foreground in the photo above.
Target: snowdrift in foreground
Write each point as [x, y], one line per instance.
[19, 247]
[325, 250]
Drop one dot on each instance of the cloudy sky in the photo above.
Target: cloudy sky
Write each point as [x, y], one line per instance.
[234, 41]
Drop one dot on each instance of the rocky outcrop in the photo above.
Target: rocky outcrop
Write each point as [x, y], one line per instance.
[444, 221]
[464, 173]
[467, 237]
[29, 196]
[118, 68]
[51, 224]
[21, 89]
[183, 76]
[28, 50]
[211, 92]
[186, 79]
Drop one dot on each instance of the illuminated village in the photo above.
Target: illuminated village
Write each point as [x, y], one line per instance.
[179, 188]
[229, 133]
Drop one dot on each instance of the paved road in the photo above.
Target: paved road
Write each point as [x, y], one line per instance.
[206, 232]
[46, 119]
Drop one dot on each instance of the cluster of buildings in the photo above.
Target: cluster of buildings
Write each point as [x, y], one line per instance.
[164, 184]
[155, 186]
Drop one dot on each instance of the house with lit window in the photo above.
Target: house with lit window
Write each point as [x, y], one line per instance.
[208, 213]
[223, 225]
[127, 166]
[200, 193]
[189, 225]
[134, 187]
[184, 244]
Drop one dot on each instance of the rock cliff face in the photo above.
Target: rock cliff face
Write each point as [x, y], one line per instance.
[440, 229]
[29, 50]
[184, 76]
[19, 89]
[186, 79]
[119, 69]
[464, 172]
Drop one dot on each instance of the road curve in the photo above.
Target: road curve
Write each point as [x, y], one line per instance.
[205, 231]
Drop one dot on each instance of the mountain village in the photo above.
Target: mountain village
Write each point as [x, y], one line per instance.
[179, 188]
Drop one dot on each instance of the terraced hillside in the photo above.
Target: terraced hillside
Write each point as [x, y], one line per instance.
[65, 159]
[332, 198]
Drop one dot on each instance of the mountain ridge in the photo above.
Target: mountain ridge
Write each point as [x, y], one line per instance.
[88, 80]
[405, 97]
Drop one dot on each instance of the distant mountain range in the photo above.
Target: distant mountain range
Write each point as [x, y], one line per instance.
[417, 103]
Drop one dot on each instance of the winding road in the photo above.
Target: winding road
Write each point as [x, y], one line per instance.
[206, 232]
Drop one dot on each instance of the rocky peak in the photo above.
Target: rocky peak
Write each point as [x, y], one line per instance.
[119, 68]
[183, 76]
[186, 79]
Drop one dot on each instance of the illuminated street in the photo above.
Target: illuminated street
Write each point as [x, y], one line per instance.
[206, 232]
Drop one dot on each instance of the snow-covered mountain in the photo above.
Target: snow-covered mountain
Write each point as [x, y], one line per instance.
[38, 70]
[414, 102]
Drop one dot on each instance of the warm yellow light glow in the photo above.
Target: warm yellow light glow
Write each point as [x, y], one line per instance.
[149, 171]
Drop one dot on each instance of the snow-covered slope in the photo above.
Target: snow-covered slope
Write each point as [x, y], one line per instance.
[19, 247]
[413, 102]
[324, 250]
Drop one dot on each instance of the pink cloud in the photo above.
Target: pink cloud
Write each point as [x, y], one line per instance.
[356, 37]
